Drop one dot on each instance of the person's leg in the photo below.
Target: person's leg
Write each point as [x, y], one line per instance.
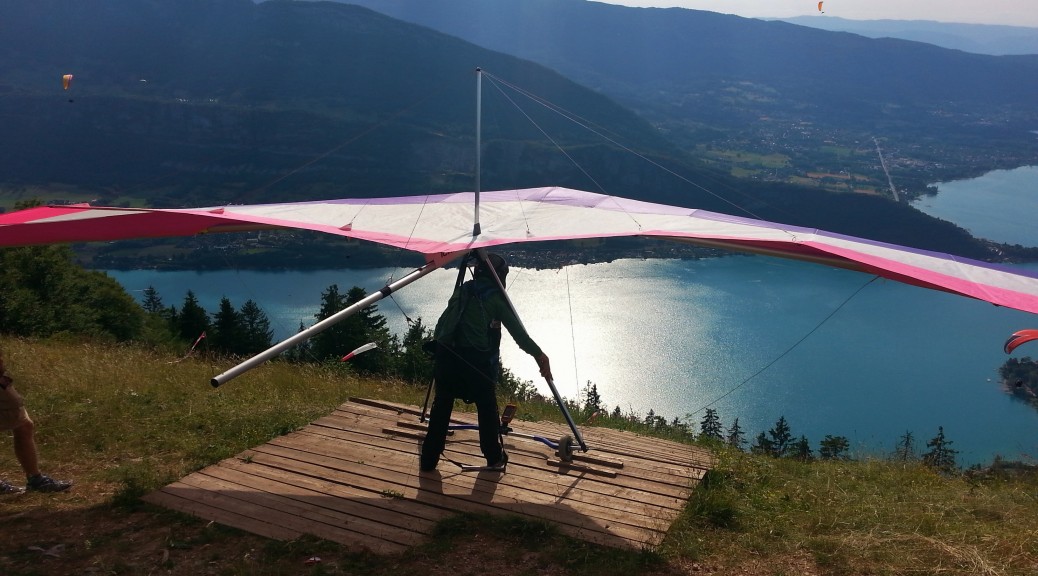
[484, 389]
[25, 447]
[436, 434]
[439, 416]
[489, 424]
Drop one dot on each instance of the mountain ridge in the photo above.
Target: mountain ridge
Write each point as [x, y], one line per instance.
[724, 84]
[989, 39]
[204, 103]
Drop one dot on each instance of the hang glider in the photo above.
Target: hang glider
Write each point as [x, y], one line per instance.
[441, 228]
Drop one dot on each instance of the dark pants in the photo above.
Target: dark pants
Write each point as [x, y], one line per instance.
[472, 376]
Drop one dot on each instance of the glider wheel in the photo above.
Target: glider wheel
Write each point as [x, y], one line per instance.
[565, 452]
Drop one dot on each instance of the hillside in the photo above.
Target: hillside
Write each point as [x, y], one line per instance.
[755, 515]
[210, 100]
[206, 102]
[811, 99]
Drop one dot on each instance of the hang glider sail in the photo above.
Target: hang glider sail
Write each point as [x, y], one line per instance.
[440, 227]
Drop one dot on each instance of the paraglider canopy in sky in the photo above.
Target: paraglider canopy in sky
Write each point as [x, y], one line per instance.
[66, 83]
[1019, 337]
[820, 8]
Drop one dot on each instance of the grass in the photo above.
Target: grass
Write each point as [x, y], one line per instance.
[124, 420]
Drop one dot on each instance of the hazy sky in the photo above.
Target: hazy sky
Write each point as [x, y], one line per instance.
[1012, 12]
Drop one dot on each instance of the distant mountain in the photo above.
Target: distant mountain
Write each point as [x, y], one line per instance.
[721, 82]
[975, 38]
[211, 100]
[201, 102]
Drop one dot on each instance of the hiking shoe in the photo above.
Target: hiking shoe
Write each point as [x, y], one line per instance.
[8, 488]
[501, 464]
[44, 483]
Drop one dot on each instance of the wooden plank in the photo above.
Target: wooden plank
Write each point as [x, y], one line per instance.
[523, 453]
[352, 477]
[498, 487]
[189, 500]
[388, 509]
[622, 492]
[285, 497]
[638, 488]
[463, 492]
[359, 508]
[259, 506]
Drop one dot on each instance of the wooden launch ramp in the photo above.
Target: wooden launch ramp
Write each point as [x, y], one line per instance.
[352, 478]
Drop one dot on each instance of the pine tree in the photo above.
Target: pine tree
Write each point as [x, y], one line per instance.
[592, 400]
[228, 331]
[415, 364]
[801, 450]
[302, 352]
[763, 445]
[152, 302]
[710, 427]
[905, 450]
[940, 456]
[333, 342]
[193, 320]
[834, 448]
[256, 327]
[373, 327]
[781, 436]
[736, 437]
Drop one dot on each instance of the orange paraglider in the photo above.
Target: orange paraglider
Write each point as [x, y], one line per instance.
[66, 83]
[1019, 337]
[820, 8]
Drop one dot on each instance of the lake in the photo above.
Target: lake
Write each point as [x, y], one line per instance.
[999, 206]
[752, 337]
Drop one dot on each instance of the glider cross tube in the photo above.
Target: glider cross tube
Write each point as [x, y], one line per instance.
[330, 321]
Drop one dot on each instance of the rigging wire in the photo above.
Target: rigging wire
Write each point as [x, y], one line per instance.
[572, 332]
[378, 125]
[546, 135]
[788, 350]
[599, 131]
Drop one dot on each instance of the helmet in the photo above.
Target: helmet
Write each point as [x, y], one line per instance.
[499, 264]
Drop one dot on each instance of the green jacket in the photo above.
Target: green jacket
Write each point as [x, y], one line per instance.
[479, 302]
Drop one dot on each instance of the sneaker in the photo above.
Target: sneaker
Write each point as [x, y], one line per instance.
[501, 464]
[8, 488]
[44, 483]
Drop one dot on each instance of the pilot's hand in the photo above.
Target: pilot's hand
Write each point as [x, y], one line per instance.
[545, 366]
